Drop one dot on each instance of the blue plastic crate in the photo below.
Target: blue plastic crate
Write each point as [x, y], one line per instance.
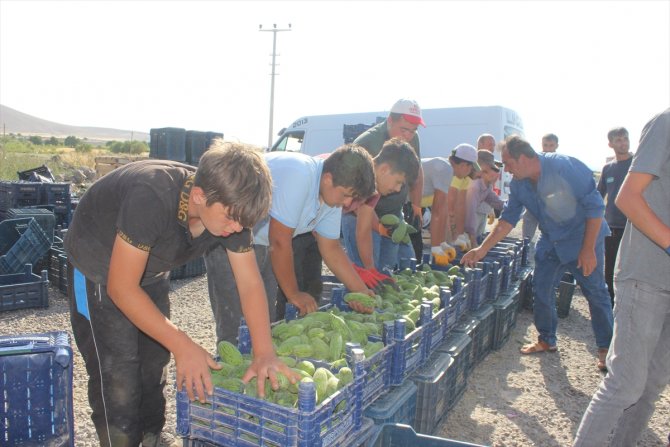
[58, 269]
[398, 405]
[409, 351]
[44, 218]
[234, 419]
[400, 435]
[36, 390]
[431, 396]
[18, 195]
[24, 290]
[486, 331]
[30, 246]
[470, 326]
[505, 318]
[436, 329]
[479, 287]
[168, 143]
[459, 346]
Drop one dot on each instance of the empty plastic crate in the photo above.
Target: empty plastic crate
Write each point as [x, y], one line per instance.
[44, 218]
[168, 143]
[24, 242]
[459, 346]
[194, 267]
[24, 290]
[195, 145]
[505, 317]
[36, 390]
[399, 435]
[398, 405]
[566, 289]
[470, 327]
[486, 330]
[18, 195]
[526, 289]
[42, 172]
[432, 382]
[58, 269]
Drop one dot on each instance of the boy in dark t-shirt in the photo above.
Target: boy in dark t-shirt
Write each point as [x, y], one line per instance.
[129, 230]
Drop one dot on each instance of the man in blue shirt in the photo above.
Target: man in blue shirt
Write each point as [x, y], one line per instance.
[307, 195]
[561, 193]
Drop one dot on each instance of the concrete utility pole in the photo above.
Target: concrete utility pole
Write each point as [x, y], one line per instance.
[274, 31]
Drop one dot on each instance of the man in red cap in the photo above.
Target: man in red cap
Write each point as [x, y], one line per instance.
[402, 122]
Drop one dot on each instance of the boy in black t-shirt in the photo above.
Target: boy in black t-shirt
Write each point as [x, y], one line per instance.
[132, 227]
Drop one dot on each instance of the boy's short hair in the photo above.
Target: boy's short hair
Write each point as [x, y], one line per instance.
[550, 136]
[616, 132]
[400, 156]
[517, 146]
[351, 167]
[237, 176]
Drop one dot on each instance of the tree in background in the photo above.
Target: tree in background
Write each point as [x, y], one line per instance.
[35, 139]
[127, 147]
[71, 141]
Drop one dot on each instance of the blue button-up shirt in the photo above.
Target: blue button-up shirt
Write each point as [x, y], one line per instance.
[563, 199]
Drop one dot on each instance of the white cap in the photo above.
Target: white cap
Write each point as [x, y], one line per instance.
[468, 153]
[410, 111]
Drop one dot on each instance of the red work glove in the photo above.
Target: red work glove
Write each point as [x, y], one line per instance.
[368, 278]
[384, 279]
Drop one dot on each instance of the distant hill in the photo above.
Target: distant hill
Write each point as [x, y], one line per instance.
[13, 121]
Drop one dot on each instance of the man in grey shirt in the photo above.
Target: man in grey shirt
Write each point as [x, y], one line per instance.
[638, 362]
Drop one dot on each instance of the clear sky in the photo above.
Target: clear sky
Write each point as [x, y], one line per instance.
[574, 68]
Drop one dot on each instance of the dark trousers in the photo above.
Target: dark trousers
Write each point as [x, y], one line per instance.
[611, 248]
[307, 265]
[126, 369]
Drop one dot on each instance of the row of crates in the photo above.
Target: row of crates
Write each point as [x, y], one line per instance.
[414, 380]
[53, 197]
[176, 144]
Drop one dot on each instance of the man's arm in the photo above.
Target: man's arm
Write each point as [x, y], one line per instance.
[602, 186]
[126, 268]
[254, 307]
[587, 254]
[632, 203]
[500, 230]
[438, 218]
[281, 257]
[416, 190]
[365, 222]
[338, 263]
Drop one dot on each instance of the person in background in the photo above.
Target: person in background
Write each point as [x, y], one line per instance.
[611, 178]
[561, 192]
[308, 195]
[481, 192]
[639, 360]
[528, 221]
[129, 230]
[395, 165]
[402, 122]
[487, 142]
[465, 155]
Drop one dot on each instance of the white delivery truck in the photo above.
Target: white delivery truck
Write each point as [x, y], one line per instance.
[445, 129]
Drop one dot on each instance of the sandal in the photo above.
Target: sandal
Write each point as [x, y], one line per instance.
[602, 357]
[539, 346]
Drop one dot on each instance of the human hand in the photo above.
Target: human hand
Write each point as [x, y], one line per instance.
[267, 367]
[193, 365]
[491, 218]
[385, 230]
[367, 277]
[304, 302]
[448, 250]
[416, 210]
[463, 242]
[360, 308]
[586, 260]
[440, 257]
[472, 257]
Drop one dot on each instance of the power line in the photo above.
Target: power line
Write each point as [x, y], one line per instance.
[274, 31]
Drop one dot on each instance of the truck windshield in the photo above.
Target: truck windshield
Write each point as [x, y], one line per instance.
[290, 142]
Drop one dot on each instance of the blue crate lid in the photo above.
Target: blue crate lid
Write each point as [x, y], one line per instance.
[435, 367]
[388, 405]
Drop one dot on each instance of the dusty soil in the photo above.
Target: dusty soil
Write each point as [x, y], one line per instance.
[511, 400]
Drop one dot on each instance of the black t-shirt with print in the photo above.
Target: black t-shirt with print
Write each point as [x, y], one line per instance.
[145, 203]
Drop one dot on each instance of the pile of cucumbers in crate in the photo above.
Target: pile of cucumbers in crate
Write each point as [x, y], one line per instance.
[319, 338]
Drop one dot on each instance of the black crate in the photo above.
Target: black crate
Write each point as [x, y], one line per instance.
[18, 195]
[168, 143]
[432, 386]
[24, 290]
[194, 267]
[505, 319]
[459, 346]
[195, 146]
[486, 331]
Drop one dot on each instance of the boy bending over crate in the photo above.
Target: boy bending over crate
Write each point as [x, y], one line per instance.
[129, 230]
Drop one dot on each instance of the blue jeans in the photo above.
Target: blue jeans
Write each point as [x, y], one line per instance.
[638, 365]
[386, 254]
[223, 294]
[548, 271]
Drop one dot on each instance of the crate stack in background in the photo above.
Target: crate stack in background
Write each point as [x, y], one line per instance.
[177, 144]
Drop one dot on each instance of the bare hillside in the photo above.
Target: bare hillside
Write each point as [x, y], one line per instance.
[16, 122]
